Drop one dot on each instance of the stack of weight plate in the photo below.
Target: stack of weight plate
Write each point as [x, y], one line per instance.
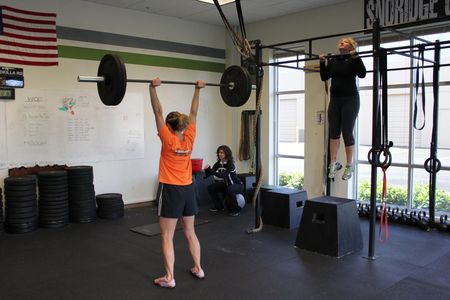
[109, 206]
[82, 208]
[1, 210]
[21, 213]
[53, 199]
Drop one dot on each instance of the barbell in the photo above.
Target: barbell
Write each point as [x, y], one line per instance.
[235, 83]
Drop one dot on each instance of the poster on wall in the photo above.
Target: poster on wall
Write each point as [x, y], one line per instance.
[61, 127]
[395, 12]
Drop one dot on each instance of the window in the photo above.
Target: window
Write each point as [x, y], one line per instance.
[408, 182]
[290, 122]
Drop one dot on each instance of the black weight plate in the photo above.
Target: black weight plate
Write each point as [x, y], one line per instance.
[20, 180]
[20, 195]
[54, 193]
[52, 174]
[53, 180]
[54, 201]
[51, 206]
[109, 196]
[12, 200]
[53, 215]
[112, 89]
[17, 221]
[19, 188]
[81, 186]
[82, 220]
[112, 206]
[79, 168]
[19, 210]
[52, 187]
[110, 209]
[239, 93]
[82, 208]
[14, 205]
[53, 225]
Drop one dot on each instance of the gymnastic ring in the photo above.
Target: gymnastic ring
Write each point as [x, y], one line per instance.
[371, 156]
[432, 162]
[387, 158]
[377, 151]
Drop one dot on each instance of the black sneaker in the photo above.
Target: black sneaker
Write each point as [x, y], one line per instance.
[215, 209]
[234, 214]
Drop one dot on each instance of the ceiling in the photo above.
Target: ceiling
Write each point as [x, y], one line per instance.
[193, 10]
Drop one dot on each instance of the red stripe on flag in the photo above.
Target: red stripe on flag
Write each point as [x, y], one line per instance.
[21, 53]
[23, 45]
[29, 29]
[30, 38]
[28, 12]
[25, 20]
[27, 62]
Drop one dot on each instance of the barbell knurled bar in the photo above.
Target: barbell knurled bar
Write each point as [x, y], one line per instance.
[235, 83]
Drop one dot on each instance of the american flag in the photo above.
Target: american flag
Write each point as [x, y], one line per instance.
[28, 37]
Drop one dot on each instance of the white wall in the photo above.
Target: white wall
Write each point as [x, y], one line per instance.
[136, 179]
[328, 20]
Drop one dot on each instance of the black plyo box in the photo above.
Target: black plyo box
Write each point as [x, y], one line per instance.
[283, 207]
[248, 180]
[330, 226]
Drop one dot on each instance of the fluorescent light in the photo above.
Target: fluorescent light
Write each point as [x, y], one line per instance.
[221, 2]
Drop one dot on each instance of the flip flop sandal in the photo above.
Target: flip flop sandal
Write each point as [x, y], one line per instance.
[163, 282]
[198, 275]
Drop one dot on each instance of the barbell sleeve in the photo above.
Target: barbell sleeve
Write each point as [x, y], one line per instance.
[90, 79]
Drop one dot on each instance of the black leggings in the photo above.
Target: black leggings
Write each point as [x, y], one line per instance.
[342, 113]
[220, 192]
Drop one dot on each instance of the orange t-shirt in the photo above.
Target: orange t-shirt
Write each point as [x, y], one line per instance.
[175, 163]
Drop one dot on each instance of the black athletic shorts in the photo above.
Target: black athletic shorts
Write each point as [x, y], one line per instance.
[177, 201]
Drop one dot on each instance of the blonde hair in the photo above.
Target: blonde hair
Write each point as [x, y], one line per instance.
[351, 41]
[177, 121]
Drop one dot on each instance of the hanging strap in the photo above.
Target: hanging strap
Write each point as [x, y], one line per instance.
[384, 212]
[384, 97]
[244, 147]
[241, 19]
[385, 143]
[419, 69]
[241, 43]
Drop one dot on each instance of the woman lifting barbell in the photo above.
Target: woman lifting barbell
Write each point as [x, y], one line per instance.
[344, 101]
[177, 198]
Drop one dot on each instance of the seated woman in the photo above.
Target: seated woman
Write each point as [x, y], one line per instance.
[226, 182]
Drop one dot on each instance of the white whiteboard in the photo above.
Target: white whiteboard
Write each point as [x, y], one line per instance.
[62, 127]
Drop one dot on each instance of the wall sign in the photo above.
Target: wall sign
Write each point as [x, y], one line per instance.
[11, 77]
[8, 94]
[395, 12]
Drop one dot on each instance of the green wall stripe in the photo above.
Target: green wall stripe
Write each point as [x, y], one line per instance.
[141, 59]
